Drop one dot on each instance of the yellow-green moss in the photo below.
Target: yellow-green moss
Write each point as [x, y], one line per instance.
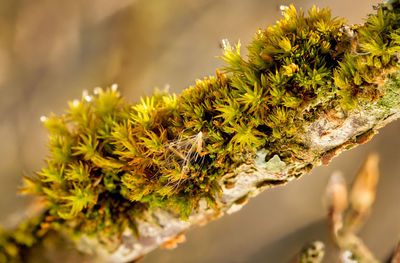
[110, 161]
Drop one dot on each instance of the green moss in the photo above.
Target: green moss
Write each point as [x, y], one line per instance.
[373, 55]
[389, 100]
[110, 161]
[13, 243]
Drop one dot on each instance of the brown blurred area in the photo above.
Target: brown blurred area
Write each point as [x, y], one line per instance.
[51, 50]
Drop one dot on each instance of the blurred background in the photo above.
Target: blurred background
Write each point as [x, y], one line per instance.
[52, 50]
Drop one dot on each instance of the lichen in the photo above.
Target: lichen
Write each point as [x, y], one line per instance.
[389, 100]
[272, 165]
[275, 164]
[259, 160]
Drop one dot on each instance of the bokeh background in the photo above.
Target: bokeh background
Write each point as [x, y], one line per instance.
[51, 50]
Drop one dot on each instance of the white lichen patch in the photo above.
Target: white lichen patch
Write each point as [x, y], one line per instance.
[260, 158]
[275, 164]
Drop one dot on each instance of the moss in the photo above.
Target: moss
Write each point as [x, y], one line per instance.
[389, 100]
[13, 244]
[110, 161]
[373, 55]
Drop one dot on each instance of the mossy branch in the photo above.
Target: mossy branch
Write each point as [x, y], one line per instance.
[136, 176]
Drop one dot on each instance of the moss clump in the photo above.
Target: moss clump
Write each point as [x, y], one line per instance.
[110, 161]
[373, 55]
[13, 243]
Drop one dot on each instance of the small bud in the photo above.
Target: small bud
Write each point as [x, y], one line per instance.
[336, 193]
[364, 186]
[43, 118]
